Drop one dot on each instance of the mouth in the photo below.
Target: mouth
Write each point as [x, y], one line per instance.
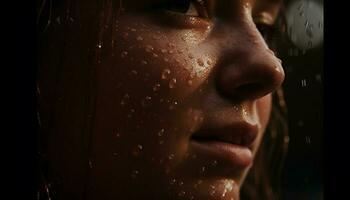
[231, 144]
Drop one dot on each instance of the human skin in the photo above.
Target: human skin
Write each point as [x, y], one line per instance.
[162, 79]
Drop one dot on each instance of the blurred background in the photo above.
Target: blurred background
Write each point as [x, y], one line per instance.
[301, 50]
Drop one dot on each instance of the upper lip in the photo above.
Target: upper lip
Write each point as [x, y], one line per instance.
[239, 133]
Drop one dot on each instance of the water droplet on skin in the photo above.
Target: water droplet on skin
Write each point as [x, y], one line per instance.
[181, 183]
[146, 102]
[134, 174]
[171, 51]
[137, 150]
[190, 55]
[90, 164]
[155, 55]
[200, 62]
[209, 62]
[161, 132]
[215, 163]
[125, 35]
[212, 190]
[134, 72]
[99, 46]
[124, 54]
[139, 38]
[171, 156]
[144, 62]
[189, 82]
[180, 51]
[166, 59]
[182, 193]
[202, 170]
[133, 30]
[156, 87]
[171, 45]
[172, 83]
[165, 74]
[149, 48]
[172, 181]
[163, 50]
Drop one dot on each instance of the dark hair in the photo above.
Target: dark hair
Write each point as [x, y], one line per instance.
[59, 25]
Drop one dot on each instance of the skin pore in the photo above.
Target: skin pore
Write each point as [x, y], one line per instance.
[166, 73]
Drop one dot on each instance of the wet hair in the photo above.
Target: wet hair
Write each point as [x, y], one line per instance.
[59, 25]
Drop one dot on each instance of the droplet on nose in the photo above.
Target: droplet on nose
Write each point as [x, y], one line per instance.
[165, 74]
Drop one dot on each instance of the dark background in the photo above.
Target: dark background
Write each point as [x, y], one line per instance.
[303, 89]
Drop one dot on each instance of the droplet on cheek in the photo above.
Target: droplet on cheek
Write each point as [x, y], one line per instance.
[156, 87]
[124, 54]
[172, 83]
[149, 48]
[200, 62]
[165, 74]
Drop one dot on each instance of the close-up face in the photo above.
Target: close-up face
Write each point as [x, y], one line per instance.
[182, 97]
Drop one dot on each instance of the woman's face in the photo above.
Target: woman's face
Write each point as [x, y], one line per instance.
[183, 98]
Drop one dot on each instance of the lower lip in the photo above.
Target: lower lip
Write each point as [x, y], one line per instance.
[236, 155]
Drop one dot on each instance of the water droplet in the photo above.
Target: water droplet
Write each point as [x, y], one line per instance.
[166, 59]
[155, 55]
[172, 83]
[163, 50]
[134, 72]
[149, 48]
[171, 51]
[99, 46]
[156, 87]
[318, 78]
[171, 156]
[125, 35]
[212, 190]
[139, 38]
[180, 51]
[190, 55]
[189, 82]
[146, 101]
[181, 183]
[124, 54]
[209, 62]
[286, 139]
[90, 164]
[134, 174]
[161, 132]
[171, 45]
[165, 74]
[144, 62]
[137, 150]
[303, 83]
[133, 30]
[202, 170]
[200, 62]
[172, 181]
[214, 163]
[182, 193]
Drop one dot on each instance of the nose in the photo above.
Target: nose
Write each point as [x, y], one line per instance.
[248, 71]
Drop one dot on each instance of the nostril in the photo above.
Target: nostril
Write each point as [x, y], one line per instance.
[248, 88]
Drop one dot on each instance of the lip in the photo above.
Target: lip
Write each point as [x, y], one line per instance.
[232, 143]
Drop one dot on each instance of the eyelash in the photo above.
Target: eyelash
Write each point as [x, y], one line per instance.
[183, 7]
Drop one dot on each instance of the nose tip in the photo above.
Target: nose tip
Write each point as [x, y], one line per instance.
[254, 76]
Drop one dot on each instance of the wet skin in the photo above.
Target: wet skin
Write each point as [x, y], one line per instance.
[167, 84]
